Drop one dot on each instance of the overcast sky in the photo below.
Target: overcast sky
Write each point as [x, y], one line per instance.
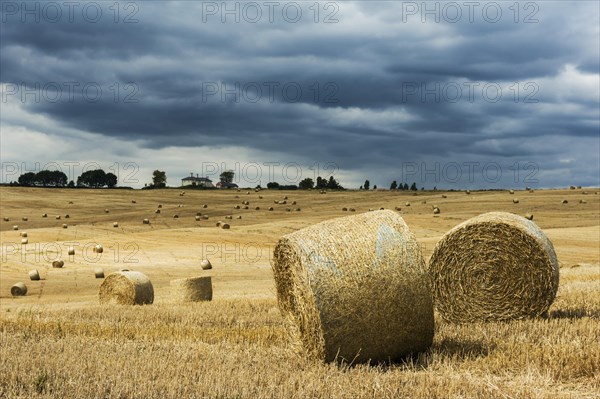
[457, 95]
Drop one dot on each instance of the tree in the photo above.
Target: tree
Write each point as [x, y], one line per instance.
[394, 185]
[413, 187]
[306, 184]
[71, 184]
[92, 178]
[321, 183]
[27, 179]
[405, 186]
[110, 180]
[273, 184]
[375, 187]
[159, 179]
[227, 176]
[366, 185]
[333, 184]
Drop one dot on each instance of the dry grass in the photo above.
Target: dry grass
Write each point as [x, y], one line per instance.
[69, 346]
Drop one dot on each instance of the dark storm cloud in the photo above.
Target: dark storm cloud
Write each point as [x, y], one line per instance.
[368, 111]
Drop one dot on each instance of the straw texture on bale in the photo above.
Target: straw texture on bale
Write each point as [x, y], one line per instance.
[18, 289]
[34, 275]
[194, 289]
[354, 289]
[126, 288]
[495, 266]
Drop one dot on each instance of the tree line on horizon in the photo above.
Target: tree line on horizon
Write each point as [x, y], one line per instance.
[54, 178]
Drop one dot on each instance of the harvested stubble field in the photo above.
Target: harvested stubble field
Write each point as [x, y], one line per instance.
[59, 342]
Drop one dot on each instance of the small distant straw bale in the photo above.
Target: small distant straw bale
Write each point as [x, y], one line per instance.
[34, 275]
[436, 210]
[115, 224]
[24, 241]
[71, 251]
[529, 216]
[23, 234]
[67, 216]
[157, 211]
[344, 209]
[64, 226]
[194, 289]
[57, 217]
[58, 263]
[495, 266]
[18, 289]
[515, 200]
[511, 192]
[175, 216]
[98, 248]
[15, 227]
[205, 264]
[257, 208]
[126, 288]
[204, 206]
[6, 219]
[565, 201]
[44, 215]
[407, 204]
[225, 226]
[146, 221]
[270, 208]
[25, 218]
[444, 196]
[582, 201]
[197, 218]
[99, 272]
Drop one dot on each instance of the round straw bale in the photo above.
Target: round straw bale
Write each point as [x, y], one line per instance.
[511, 192]
[285, 197]
[64, 226]
[70, 202]
[515, 200]
[572, 187]
[15, 227]
[260, 197]
[146, 221]
[468, 192]
[157, 211]
[115, 224]
[98, 249]
[34, 275]
[160, 205]
[205, 217]
[198, 213]
[106, 211]
[239, 217]
[407, 204]
[228, 217]
[175, 216]
[436, 210]
[58, 263]
[67, 216]
[219, 223]
[344, 209]
[529, 216]
[495, 266]
[352, 210]
[257, 208]
[18, 289]
[270, 208]
[71, 251]
[197, 218]
[99, 272]
[288, 209]
[225, 226]
[298, 209]
[565, 201]
[57, 217]
[204, 206]
[194, 289]
[24, 241]
[581, 201]
[205, 264]
[246, 207]
[355, 289]
[23, 234]
[293, 202]
[133, 201]
[6, 219]
[24, 218]
[444, 196]
[236, 207]
[44, 215]
[126, 288]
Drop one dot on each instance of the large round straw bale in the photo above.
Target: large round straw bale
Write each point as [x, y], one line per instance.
[18, 289]
[344, 209]
[352, 210]
[194, 289]
[34, 275]
[495, 266]
[205, 264]
[175, 216]
[58, 263]
[228, 217]
[133, 201]
[298, 209]
[354, 289]
[468, 192]
[99, 272]
[407, 204]
[126, 288]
